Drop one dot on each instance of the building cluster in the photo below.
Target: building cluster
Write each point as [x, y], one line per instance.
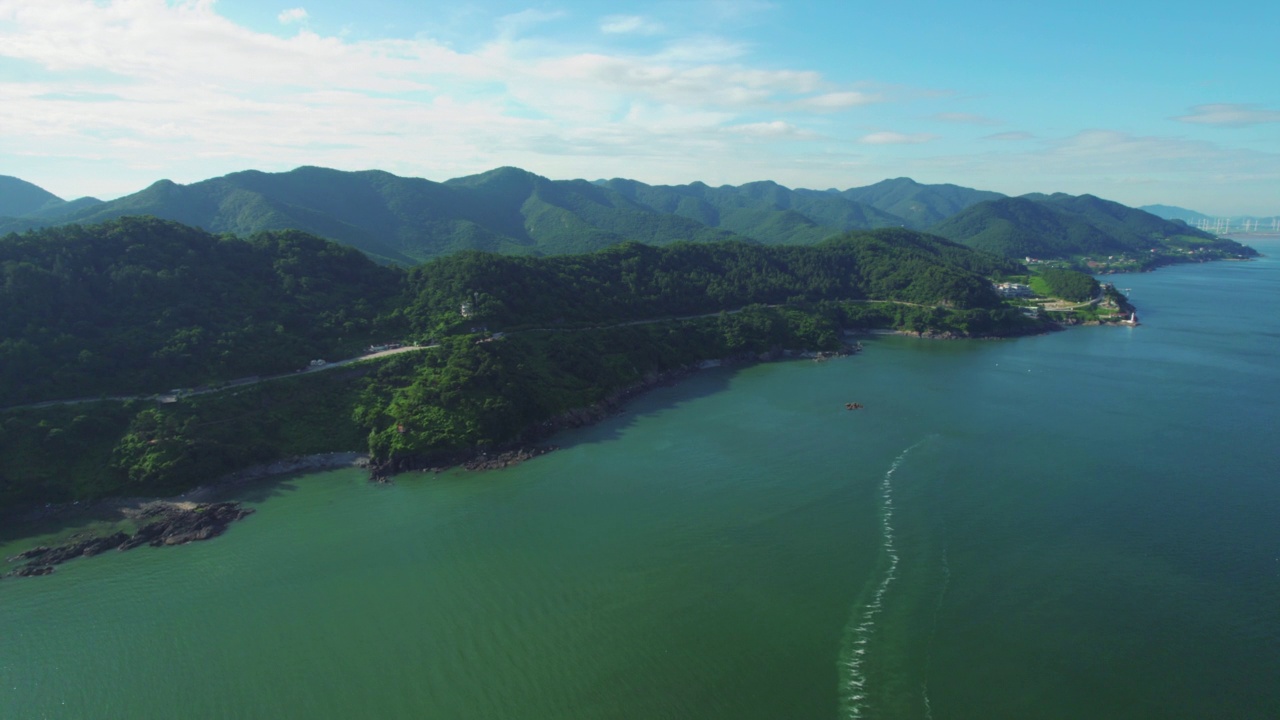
[1009, 289]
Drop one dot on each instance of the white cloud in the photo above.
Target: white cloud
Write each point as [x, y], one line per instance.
[1230, 115]
[837, 100]
[772, 130]
[896, 138]
[179, 91]
[700, 49]
[629, 24]
[292, 15]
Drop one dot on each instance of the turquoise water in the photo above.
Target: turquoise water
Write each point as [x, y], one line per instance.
[1079, 525]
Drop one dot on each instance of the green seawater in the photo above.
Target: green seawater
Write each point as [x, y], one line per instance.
[1079, 525]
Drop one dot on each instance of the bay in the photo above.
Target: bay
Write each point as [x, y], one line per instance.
[1081, 524]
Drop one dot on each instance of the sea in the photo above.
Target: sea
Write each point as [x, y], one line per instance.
[1083, 524]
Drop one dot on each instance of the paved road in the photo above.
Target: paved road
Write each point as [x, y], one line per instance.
[230, 385]
[245, 382]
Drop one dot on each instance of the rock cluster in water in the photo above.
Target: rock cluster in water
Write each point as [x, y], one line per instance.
[161, 523]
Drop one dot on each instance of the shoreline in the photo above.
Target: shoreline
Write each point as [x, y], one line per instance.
[195, 515]
[121, 509]
[117, 512]
[529, 444]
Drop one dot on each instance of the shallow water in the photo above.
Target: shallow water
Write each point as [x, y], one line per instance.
[1081, 524]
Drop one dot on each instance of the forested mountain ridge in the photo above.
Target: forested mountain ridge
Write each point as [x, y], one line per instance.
[1020, 227]
[1132, 227]
[764, 211]
[634, 281]
[571, 216]
[515, 212]
[919, 205]
[404, 220]
[1069, 227]
[19, 197]
[137, 305]
[508, 210]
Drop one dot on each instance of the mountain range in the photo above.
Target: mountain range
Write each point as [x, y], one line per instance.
[403, 220]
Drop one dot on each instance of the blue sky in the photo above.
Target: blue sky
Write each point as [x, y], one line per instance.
[1145, 102]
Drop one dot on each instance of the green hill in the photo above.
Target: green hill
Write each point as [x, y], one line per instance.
[763, 211]
[633, 281]
[1071, 227]
[1135, 229]
[19, 197]
[1021, 227]
[919, 205]
[406, 220]
[138, 305]
[399, 220]
[571, 216]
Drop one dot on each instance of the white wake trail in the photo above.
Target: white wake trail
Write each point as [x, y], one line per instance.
[862, 624]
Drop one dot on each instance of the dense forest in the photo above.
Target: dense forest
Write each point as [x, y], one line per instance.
[140, 305]
[1072, 227]
[136, 305]
[434, 405]
[633, 281]
[1069, 284]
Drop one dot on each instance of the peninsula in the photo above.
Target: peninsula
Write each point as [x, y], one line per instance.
[470, 358]
[127, 310]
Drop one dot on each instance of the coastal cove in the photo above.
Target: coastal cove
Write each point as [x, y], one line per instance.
[1075, 524]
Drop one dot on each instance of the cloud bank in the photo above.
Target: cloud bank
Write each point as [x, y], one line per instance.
[110, 95]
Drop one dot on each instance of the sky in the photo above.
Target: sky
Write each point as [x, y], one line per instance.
[1140, 102]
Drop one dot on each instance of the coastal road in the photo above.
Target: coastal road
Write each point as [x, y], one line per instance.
[696, 317]
[229, 385]
[245, 382]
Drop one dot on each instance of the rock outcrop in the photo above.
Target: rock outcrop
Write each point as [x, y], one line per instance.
[160, 523]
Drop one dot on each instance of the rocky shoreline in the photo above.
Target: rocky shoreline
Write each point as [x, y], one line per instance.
[192, 516]
[195, 516]
[528, 447]
[1048, 327]
[287, 466]
[160, 523]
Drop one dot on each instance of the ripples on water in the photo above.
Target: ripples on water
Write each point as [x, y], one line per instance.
[1086, 529]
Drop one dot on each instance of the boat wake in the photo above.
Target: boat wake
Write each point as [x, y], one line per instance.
[937, 609]
[862, 623]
